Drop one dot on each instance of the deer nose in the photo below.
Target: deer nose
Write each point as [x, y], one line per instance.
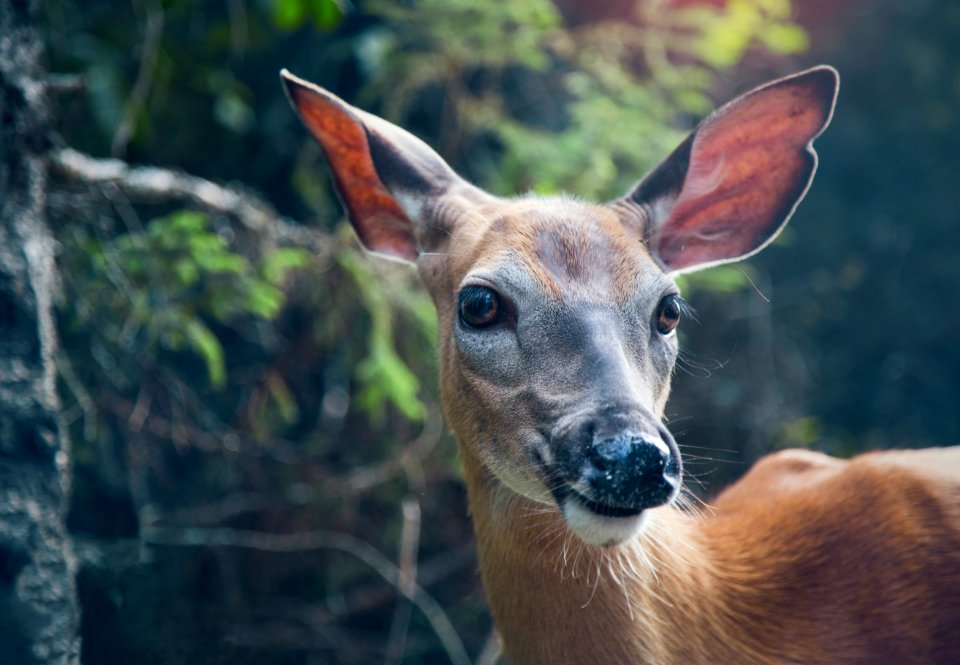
[630, 471]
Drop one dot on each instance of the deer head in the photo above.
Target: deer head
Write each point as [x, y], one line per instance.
[558, 316]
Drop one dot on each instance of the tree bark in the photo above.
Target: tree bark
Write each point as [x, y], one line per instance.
[38, 610]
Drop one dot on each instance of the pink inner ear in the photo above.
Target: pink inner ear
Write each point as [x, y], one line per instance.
[380, 222]
[749, 166]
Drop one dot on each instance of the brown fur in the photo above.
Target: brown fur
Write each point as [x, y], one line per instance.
[806, 560]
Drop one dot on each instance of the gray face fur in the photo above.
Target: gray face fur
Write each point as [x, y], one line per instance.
[576, 363]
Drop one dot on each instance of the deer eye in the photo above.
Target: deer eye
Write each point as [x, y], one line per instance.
[479, 307]
[668, 314]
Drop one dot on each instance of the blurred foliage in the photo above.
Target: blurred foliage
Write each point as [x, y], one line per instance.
[215, 376]
[877, 265]
[842, 339]
[152, 289]
[581, 91]
[726, 35]
[293, 14]
[384, 376]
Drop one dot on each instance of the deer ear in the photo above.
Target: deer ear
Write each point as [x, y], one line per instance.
[387, 179]
[731, 186]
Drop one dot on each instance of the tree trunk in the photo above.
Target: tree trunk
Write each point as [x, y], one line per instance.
[38, 611]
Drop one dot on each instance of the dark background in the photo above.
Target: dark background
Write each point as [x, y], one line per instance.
[253, 410]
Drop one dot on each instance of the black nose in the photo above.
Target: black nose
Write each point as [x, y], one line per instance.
[628, 471]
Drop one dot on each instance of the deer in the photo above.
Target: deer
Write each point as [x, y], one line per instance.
[557, 347]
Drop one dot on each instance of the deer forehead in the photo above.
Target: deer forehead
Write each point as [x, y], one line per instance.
[561, 249]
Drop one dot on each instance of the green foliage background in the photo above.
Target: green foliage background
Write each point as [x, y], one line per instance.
[221, 376]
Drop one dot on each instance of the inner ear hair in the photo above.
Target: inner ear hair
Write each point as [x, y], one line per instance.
[729, 188]
[390, 182]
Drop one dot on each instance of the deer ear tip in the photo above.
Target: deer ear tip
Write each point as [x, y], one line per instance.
[291, 83]
[827, 81]
[824, 69]
[820, 85]
[829, 73]
[296, 87]
[825, 77]
[301, 91]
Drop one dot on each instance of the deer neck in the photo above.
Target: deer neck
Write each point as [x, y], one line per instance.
[557, 600]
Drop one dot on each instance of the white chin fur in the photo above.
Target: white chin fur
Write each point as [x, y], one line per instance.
[599, 530]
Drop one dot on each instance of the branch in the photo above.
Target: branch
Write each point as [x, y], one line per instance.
[280, 450]
[159, 184]
[430, 572]
[319, 540]
[363, 478]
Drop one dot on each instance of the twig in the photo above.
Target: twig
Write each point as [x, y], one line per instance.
[430, 572]
[409, 546]
[364, 478]
[231, 505]
[87, 406]
[141, 88]
[156, 425]
[318, 540]
[492, 649]
[158, 184]
[217, 512]
[66, 84]
[238, 28]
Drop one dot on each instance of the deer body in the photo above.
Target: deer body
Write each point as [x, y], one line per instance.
[557, 347]
[807, 559]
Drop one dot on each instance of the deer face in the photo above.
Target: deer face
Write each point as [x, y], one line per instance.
[557, 316]
[557, 350]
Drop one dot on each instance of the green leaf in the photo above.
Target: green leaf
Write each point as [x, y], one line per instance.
[264, 299]
[327, 14]
[211, 258]
[289, 14]
[720, 279]
[187, 271]
[206, 344]
[785, 39]
[185, 222]
[234, 113]
[284, 399]
[274, 267]
[383, 375]
[801, 432]
[386, 378]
